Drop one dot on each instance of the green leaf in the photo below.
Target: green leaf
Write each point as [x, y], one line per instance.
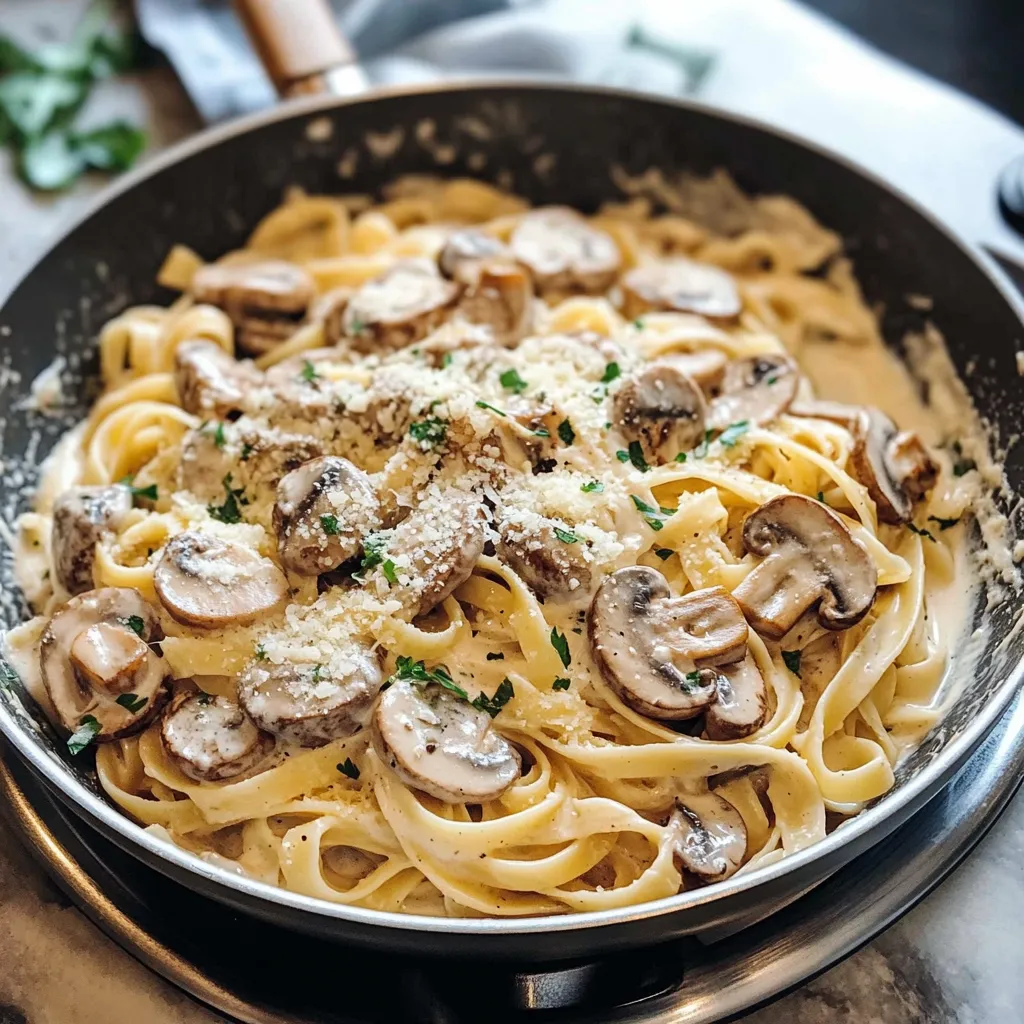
[636, 456]
[638, 323]
[652, 515]
[540, 431]
[417, 672]
[593, 486]
[217, 434]
[373, 551]
[132, 701]
[702, 449]
[446, 360]
[681, 457]
[733, 433]
[247, 450]
[49, 162]
[486, 405]
[261, 652]
[390, 573]
[149, 493]
[566, 536]
[792, 660]
[944, 524]
[664, 553]
[348, 768]
[87, 731]
[34, 103]
[921, 532]
[308, 371]
[329, 523]
[502, 695]
[111, 147]
[561, 683]
[133, 622]
[622, 455]
[565, 432]
[692, 680]
[511, 381]
[229, 511]
[611, 372]
[561, 646]
[14, 58]
[431, 431]
[821, 497]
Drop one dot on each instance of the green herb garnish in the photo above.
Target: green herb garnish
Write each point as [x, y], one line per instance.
[132, 701]
[944, 524]
[329, 524]
[611, 372]
[664, 553]
[390, 573]
[921, 532]
[308, 371]
[348, 768]
[638, 323]
[417, 672]
[492, 705]
[692, 680]
[561, 683]
[261, 652]
[561, 645]
[149, 493]
[565, 432]
[821, 497]
[247, 450]
[636, 456]
[135, 623]
[733, 433]
[88, 729]
[960, 464]
[681, 457]
[446, 360]
[702, 449]
[652, 516]
[593, 486]
[373, 552]
[566, 536]
[792, 660]
[511, 381]
[487, 405]
[431, 431]
[229, 511]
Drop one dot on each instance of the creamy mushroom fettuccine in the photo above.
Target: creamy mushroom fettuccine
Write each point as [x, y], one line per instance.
[450, 556]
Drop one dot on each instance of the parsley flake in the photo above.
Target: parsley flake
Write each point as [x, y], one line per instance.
[622, 455]
[149, 493]
[921, 532]
[348, 768]
[417, 672]
[692, 680]
[132, 701]
[217, 435]
[733, 433]
[261, 652]
[446, 360]
[792, 660]
[135, 623]
[681, 457]
[593, 487]
[944, 524]
[329, 523]
[561, 683]
[492, 705]
[821, 497]
[246, 452]
[636, 456]
[565, 432]
[431, 431]
[308, 371]
[390, 573]
[566, 536]
[561, 645]
[87, 731]
[539, 432]
[486, 405]
[229, 511]
[960, 464]
[373, 551]
[638, 323]
[611, 372]
[702, 449]
[652, 516]
[664, 553]
[511, 381]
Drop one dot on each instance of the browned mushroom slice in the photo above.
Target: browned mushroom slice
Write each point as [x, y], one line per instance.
[680, 286]
[894, 466]
[741, 705]
[210, 583]
[654, 649]
[464, 251]
[210, 739]
[400, 307]
[564, 253]
[81, 516]
[325, 509]
[210, 382]
[809, 559]
[312, 704]
[435, 548]
[266, 301]
[551, 566]
[438, 743]
[96, 662]
[705, 368]
[713, 838]
[754, 390]
[662, 409]
[329, 310]
[501, 299]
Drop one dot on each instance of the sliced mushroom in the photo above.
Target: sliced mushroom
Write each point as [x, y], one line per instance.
[680, 286]
[501, 299]
[755, 390]
[662, 409]
[894, 466]
[550, 566]
[713, 839]
[81, 516]
[438, 743]
[705, 368]
[266, 301]
[325, 509]
[400, 307]
[564, 253]
[809, 559]
[211, 382]
[210, 583]
[654, 649]
[210, 739]
[95, 659]
[312, 704]
[435, 549]
[329, 310]
[741, 704]
[461, 255]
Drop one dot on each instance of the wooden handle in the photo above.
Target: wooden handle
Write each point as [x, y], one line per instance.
[298, 42]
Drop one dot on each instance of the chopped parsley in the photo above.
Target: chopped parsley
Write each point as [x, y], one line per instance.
[135, 623]
[149, 493]
[652, 516]
[356, 326]
[308, 371]
[944, 524]
[561, 645]
[611, 372]
[431, 431]
[772, 380]
[492, 705]
[373, 552]
[246, 452]
[446, 360]
[486, 405]
[561, 683]
[261, 652]
[681, 457]
[217, 434]
[229, 511]
[638, 323]
[733, 433]
[318, 671]
[692, 680]
[565, 432]
[390, 573]
[348, 768]
[566, 536]
[702, 449]
[511, 381]
[417, 672]
[960, 464]
[329, 523]
[622, 455]
[204, 699]
[592, 487]
[636, 456]
[792, 660]
[664, 553]
[87, 731]
[132, 701]
[821, 497]
[921, 532]
[495, 656]
[539, 432]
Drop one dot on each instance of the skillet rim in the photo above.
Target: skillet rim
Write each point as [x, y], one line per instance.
[908, 798]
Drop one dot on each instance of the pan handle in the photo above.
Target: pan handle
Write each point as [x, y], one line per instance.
[301, 47]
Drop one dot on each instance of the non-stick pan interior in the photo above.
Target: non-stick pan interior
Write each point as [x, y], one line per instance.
[551, 145]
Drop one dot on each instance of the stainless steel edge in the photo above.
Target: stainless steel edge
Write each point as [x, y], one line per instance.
[829, 854]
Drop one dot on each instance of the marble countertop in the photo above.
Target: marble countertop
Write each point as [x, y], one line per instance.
[956, 957]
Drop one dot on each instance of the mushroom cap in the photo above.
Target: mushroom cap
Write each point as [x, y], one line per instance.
[464, 250]
[755, 389]
[501, 299]
[312, 704]
[809, 558]
[438, 743]
[713, 840]
[662, 409]
[210, 382]
[705, 367]
[81, 515]
[108, 662]
[209, 583]
[681, 286]
[550, 567]
[741, 703]
[654, 649]
[895, 467]
[209, 738]
[325, 509]
[400, 307]
[563, 252]
[329, 310]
